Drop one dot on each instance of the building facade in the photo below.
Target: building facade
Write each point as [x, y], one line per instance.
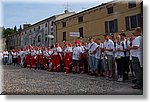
[13, 40]
[112, 17]
[38, 33]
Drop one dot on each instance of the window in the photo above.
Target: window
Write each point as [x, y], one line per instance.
[111, 26]
[140, 20]
[46, 25]
[25, 32]
[30, 31]
[64, 24]
[127, 23]
[110, 10]
[39, 27]
[33, 42]
[134, 21]
[81, 32]
[45, 39]
[51, 29]
[64, 36]
[34, 29]
[52, 23]
[131, 4]
[80, 19]
[51, 33]
[39, 38]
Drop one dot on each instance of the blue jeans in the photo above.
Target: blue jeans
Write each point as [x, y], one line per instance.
[98, 64]
[5, 60]
[92, 63]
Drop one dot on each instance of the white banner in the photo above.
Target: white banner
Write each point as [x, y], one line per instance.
[74, 34]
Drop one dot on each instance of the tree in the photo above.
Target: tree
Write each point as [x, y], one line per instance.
[7, 31]
[20, 27]
[15, 28]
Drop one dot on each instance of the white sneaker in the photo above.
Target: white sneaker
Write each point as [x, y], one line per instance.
[120, 80]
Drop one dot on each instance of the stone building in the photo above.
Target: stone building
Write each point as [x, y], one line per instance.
[112, 17]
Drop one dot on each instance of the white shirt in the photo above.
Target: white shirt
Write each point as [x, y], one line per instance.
[92, 47]
[84, 49]
[68, 49]
[33, 53]
[50, 52]
[46, 53]
[56, 50]
[5, 54]
[138, 41]
[126, 44]
[76, 53]
[119, 53]
[109, 45]
[14, 54]
[22, 54]
[98, 52]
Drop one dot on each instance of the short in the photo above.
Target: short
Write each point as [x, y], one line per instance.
[110, 61]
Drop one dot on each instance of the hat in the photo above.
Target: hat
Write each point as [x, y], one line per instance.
[123, 34]
[76, 41]
[69, 44]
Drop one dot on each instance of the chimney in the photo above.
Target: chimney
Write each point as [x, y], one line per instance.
[66, 11]
[26, 25]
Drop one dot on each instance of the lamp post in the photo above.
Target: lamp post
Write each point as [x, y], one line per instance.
[50, 37]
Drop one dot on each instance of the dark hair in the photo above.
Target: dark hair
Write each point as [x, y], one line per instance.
[98, 39]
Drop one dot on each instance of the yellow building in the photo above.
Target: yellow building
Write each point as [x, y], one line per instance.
[112, 17]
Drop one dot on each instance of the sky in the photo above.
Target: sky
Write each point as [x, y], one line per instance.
[19, 12]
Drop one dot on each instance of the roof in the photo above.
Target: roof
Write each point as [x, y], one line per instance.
[52, 17]
[103, 4]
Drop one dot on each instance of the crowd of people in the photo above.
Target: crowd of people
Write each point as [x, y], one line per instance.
[115, 56]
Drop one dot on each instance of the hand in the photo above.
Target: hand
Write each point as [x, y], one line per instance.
[118, 49]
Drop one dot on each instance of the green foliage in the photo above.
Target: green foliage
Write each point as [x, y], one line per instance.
[15, 28]
[7, 31]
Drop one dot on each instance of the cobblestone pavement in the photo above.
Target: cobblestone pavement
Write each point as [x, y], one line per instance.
[26, 81]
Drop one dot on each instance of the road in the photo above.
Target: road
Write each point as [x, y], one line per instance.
[18, 80]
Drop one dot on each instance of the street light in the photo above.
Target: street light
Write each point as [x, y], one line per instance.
[51, 37]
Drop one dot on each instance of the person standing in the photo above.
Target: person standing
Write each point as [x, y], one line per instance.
[76, 57]
[98, 68]
[108, 50]
[14, 56]
[137, 57]
[125, 44]
[22, 55]
[5, 57]
[119, 58]
[56, 57]
[33, 59]
[67, 57]
[91, 56]
[84, 57]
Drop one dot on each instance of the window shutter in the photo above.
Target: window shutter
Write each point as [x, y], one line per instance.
[81, 32]
[106, 26]
[64, 36]
[116, 25]
[127, 23]
[139, 20]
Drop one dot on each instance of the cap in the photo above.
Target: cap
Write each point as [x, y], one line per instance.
[123, 34]
[77, 41]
